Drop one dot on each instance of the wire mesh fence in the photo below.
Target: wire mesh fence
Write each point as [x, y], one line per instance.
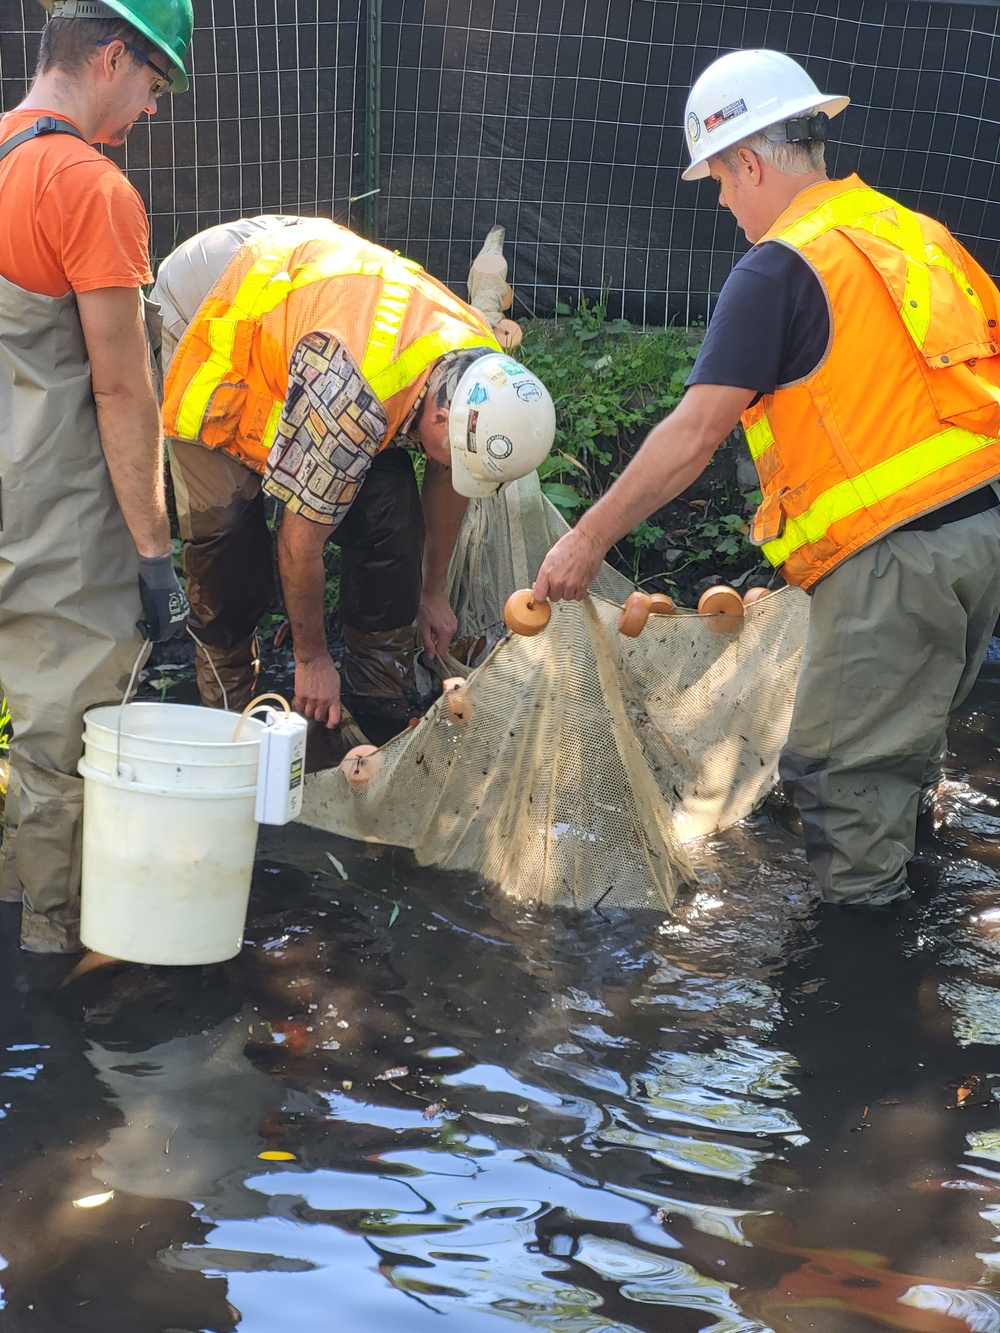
[558, 118]
[272, 122]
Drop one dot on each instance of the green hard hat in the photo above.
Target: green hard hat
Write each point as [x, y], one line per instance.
[167, 24]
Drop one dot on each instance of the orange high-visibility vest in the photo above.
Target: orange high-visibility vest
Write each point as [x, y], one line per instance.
[903, 414]
[229, 376]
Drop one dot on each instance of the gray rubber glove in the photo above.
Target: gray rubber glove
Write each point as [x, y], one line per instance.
[164, 606]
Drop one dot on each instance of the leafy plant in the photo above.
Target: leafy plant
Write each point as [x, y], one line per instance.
[610, 382]
[641, 538]
[725, 538]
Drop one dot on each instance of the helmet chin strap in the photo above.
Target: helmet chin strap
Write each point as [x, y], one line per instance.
[802, 129]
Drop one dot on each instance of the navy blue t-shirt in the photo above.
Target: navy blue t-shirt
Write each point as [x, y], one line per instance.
[771, 325]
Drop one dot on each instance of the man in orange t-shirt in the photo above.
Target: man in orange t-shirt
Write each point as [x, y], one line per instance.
[85, 551]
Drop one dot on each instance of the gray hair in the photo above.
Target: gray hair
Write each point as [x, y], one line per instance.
[792, 159]
[447, 371]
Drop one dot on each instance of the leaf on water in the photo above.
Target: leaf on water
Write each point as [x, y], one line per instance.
[393, 914]
[336, 865]
[397, 1071]
[497, 1119]
[94, 1200]
[276, 1155]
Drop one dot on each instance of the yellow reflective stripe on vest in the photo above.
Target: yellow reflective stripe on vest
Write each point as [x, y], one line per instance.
[759, 437]
[872, 487]
[916, 307]
[269, 282]
[867, 210]
[422, 354]
[941, 260]
[271, 429]
[194, 404]
[388, 373]
[841, 211]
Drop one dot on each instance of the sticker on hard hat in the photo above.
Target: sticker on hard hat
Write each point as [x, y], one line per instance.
[694, 127]
[470, 434]
[729, 112]
[513, 368]
[499, 446]
[496, 377]
[528, 391]
[477, 394]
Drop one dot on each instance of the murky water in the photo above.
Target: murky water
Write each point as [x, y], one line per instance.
[411, 1102]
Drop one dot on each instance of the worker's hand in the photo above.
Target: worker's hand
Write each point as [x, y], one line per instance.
[317, 690]
[436, 622]
[164, 606]
[569, 569]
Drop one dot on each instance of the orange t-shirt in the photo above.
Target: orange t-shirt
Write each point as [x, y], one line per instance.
[69, 220]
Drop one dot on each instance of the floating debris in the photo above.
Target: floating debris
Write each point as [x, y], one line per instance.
[94, 1200]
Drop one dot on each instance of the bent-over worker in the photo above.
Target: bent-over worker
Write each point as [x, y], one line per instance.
[302, 356]
[85, 549]
[858, 343]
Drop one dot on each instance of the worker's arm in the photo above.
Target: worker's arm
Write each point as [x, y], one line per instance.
[128, 416]
[672, 456]
[303, 583]
[443, 513]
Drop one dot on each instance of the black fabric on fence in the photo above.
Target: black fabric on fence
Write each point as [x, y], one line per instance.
[561, 121]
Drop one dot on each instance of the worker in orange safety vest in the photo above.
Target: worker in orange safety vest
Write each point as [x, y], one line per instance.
[301, 357]
[858, 343]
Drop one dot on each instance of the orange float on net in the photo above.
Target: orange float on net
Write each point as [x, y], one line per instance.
[523, 615]
[635, 613]
[508, 297]
[722, 609]
[456, 699]
[360, 765]
[661, 605]
[755, 595]
[508, 334]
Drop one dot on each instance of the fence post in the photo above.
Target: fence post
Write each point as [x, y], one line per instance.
[373, 116]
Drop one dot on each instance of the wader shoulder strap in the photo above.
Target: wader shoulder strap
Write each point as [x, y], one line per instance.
[44, 125]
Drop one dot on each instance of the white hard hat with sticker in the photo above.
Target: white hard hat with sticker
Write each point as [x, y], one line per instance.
[501, 425]
[745, 92]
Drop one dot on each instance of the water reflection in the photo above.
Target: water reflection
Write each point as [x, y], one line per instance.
[754, 1116]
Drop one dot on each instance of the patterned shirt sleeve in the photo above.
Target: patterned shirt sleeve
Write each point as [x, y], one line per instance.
[331, 427]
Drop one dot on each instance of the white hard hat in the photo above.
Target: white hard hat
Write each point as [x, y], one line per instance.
[501, 425]
[743, 93]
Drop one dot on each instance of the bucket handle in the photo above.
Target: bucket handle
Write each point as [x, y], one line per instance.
[146, 643]
[252, 707]
[255, 706]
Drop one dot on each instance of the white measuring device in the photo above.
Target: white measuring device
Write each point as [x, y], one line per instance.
[281, 760]
[281, 767]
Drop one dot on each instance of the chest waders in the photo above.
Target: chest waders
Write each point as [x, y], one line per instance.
[68, 597]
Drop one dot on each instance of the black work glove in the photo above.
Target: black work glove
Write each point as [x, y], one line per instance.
[164, 606]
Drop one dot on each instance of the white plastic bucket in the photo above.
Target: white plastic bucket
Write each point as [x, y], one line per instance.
[168, 832]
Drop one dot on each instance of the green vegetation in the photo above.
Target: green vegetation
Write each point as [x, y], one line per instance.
[611, 382]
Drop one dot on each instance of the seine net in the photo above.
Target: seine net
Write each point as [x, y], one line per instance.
[582, 759]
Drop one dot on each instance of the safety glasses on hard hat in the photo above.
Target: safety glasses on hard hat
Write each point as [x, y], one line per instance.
[139, 55]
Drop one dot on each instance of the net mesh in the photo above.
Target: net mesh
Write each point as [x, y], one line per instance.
[559, 121]
[581, 759]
